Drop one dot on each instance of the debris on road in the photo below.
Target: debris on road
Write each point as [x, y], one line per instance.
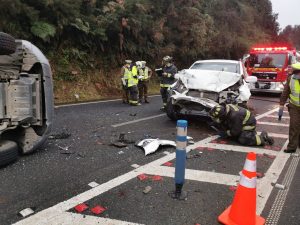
[132, 114]
[147, 189]
[259, 175]
[142, 176]
[232, 188]
[151, 145]
[119, 144]
[81, 207]
[135, 166]
[193, 156]
[98, 209]
[62, 135]
[120, 152]
[168, 164]
[157, 178]
[269, 156]
[279, 186]
[26, 212]
[93, 184]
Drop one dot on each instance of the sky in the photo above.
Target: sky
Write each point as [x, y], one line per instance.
[288, 10]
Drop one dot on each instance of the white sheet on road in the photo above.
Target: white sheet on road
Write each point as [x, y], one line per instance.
[151, 145]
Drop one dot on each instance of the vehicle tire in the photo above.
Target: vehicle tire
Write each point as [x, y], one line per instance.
[7, 44]
[171, 111]
[8, 152]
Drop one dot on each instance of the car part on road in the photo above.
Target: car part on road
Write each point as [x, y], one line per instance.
[7, 44]
[151, 145]
[8, 152]
[62, 135]
[26, 212]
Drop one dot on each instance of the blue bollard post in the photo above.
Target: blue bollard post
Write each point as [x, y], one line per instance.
[181, 142]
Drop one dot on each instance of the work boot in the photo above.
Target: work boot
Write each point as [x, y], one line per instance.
[146, 101]
[265, 137]
[289, 150]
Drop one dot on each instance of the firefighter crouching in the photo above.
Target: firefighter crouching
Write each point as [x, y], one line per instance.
[238, 123]
[166, 78]
[292, 91]
[145, 74]
[132, 85]
[125, 74]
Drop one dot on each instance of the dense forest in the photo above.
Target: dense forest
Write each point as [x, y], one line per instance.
[97, 35]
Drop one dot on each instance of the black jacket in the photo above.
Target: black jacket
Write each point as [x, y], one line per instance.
[171, 71]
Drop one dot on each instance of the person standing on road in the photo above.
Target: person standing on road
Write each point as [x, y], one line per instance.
[167, 78]
[125, 74]
[292, 91]
[132, 85]
[145, 74]
[238, 123]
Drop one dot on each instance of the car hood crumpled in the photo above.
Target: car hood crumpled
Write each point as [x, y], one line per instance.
[208, 80]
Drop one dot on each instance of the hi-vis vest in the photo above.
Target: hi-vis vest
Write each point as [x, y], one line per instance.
[144, 73]
[127, 73]
[133, 80]
[295, 91]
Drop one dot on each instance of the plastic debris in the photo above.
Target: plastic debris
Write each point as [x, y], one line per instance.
[98, 209]
[26, 212]
[135, 166]
[157, 178]
[147, 190]
[142, 176]
[120, 152]
[62, 135]
[93, 184]
[119, 144]
[168, 164]
[151, 145]
[269, 156]
[279, 186]
[81, 207]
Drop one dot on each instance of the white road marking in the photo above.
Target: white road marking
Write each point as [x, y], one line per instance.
[272, 116]
[96, 102]
[273, 124]
[264, 187]
[275, 135]
[93, 184]
[266, 113]
[138, 120]
[68, 218]
[197, 175]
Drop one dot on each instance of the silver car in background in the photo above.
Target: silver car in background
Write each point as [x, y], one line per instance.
[208, 83]
[26, 98]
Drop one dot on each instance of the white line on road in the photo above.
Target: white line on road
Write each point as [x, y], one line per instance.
[138, 120]
[273, 124]
[275, 135]
[272, 116]
[266, 113]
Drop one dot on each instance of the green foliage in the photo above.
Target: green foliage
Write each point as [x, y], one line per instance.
[43, 30]
[102, 33]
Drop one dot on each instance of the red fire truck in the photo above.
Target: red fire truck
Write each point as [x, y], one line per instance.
[271, 64]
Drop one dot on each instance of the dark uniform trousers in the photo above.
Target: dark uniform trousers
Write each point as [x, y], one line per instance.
[248, 138]
[125, 93]
[164, 95]
[294, 130]
[143, 90]
[133, 92]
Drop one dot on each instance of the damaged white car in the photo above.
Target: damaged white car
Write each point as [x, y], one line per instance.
[208, 83]
[26, 98]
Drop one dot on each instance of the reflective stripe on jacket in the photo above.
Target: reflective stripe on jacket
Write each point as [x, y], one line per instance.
[144, 73]
[295, 91]
[168, 80]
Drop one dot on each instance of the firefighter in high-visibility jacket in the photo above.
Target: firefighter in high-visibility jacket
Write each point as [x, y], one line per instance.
[167, 78]
[292, 91]
[125, 73]
[145, 74]
[132, 85]
[239, 124]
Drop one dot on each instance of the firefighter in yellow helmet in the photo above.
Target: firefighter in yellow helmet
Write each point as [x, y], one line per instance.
[125, 74]
[145, 74]
[291, 91]
[239, 124]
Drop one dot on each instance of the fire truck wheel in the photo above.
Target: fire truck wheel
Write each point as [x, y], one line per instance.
[8, 152]
[7, 44]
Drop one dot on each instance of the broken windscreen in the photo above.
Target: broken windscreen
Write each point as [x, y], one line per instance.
[267, 60]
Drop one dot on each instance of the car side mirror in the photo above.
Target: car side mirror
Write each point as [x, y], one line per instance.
[251, 79]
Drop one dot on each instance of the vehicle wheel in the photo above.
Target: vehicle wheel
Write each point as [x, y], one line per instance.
[8, 152]
[171, 111]
[7, 44]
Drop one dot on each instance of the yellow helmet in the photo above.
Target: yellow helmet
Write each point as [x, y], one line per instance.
[218, 111]
[296, 66]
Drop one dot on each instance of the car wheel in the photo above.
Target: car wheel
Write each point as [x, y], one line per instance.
[7, 44]
[8, 152]
[171, 111]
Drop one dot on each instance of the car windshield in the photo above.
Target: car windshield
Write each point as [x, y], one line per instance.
[217, 66]
[267, 60]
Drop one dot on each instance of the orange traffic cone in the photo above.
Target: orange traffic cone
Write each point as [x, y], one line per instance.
[243, 208]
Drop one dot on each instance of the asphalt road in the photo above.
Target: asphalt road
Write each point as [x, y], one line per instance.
[54, 179]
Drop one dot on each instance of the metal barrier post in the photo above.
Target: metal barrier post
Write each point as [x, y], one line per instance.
[181, 142]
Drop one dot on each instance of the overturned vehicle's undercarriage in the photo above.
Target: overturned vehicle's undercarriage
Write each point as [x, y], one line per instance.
[26, 98]
[197, 91]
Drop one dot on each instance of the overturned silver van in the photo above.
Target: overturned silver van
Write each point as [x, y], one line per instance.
[26, 98]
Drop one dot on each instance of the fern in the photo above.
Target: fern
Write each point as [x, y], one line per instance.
[43, 30]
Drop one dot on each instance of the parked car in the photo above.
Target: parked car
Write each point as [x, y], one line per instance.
[26, 98]
[208, 83]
